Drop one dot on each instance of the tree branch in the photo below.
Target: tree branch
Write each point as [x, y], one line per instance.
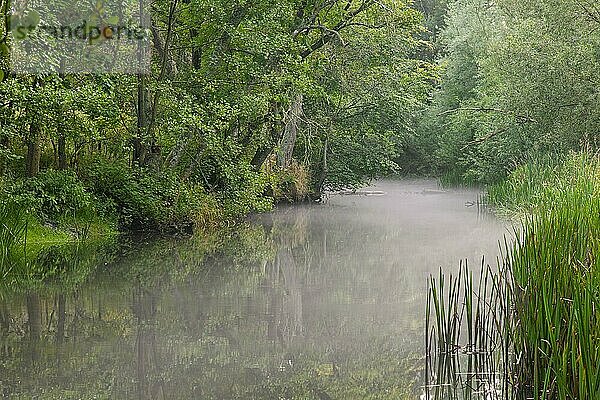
[519, 117]
[484, 138]
[335, 31]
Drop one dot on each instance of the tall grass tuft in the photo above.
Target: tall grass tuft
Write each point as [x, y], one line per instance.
[556, 270]
[13, 237]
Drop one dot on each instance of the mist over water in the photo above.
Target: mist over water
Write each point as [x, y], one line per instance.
[308, 302]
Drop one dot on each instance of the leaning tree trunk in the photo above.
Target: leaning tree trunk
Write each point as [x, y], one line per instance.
[290, 133]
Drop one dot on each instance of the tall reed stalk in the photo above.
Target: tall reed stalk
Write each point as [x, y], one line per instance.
[466, 335]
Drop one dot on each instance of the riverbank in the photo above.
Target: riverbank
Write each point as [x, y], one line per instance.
[538, 314]
[108, 199]
[556, 269]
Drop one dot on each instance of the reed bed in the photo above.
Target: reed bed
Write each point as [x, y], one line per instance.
[466, 325]
[544, 299]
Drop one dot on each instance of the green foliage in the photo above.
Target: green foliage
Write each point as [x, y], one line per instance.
[360, 119]
[13, 230]
[535, 321]
[518, 83]
[53, 195]
[191, 142]
[542, 184]
[148, 200]
[557, 273]
[545, 323]
[376, 162]
[290, 185]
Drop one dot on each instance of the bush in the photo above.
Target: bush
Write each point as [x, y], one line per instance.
[144, 199]
[290, 185]
[53, 195]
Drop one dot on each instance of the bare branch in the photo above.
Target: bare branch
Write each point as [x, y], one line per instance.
[322, 28]
[335, 31]
[484, 138]
[519, 117]
[591, 10]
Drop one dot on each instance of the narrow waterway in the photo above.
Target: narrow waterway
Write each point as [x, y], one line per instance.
[321, 301]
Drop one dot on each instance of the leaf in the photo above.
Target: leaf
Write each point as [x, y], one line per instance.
[20, 33]
[1, 75]
[4, 50]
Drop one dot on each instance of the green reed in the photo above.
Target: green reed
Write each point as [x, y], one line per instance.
[465, 340]
[545, 297]
[13, 237]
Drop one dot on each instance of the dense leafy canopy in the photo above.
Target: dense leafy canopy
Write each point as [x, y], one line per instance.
[520, 81]
[245, 99]
[248, 102]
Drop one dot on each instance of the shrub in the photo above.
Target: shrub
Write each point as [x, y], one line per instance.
[53, 195]
[290, 185]
[145, 199]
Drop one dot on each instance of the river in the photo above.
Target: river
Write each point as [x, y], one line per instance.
[322, 301]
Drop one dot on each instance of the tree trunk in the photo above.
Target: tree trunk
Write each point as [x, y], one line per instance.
[323, 173]
[290, 133]
[34, 150]
[139, 151]
[273, 125]
[62, 153]
[62, 142]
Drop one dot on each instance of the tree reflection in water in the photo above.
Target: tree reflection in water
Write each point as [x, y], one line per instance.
[310, 302]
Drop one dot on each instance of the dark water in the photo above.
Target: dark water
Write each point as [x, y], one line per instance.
[309, 302]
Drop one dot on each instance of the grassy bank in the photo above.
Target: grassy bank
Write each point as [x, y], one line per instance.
[103, 199]
[544, 304]
[66, 209]
[556, 272]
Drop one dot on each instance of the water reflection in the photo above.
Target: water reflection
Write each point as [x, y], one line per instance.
[310, 302]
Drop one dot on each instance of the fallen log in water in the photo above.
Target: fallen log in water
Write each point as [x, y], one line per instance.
[360, 193]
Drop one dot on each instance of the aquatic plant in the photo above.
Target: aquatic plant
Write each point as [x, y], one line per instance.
[547, 333]
[467, 323]
[13, 234]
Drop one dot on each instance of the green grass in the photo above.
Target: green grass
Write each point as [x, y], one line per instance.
[550, 328]
[556, 272]
[67, 232]
[538, 186]
[25, 241]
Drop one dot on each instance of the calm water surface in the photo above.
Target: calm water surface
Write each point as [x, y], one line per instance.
[309, 302]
